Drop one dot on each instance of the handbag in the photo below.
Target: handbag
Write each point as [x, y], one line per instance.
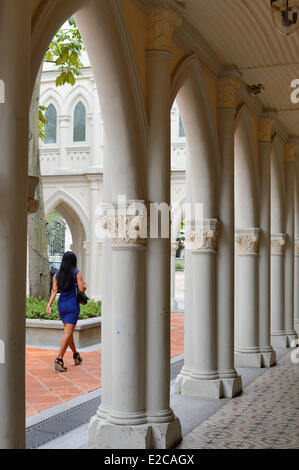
[81, 296]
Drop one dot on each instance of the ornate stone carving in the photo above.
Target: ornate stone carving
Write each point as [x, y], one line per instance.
[203, 239]
[265, 129]
[160, 24]
[278, 244]
[126, 229]
[248, 241]
[289, 152]
[227, 88]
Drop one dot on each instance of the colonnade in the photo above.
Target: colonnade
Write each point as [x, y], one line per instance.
[241, 295]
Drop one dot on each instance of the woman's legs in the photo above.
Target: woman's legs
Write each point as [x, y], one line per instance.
[66, 338]
[72, 344]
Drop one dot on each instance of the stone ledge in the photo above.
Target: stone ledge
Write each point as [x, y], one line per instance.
[47, 333]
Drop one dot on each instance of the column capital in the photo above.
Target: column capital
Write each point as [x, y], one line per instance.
[64, 120]
[204, 239]
[278, 242]
[296, 247]
[289, 152]
[265, 128]
[227, 88]
[248, 241]
[125, 227]
[161, 22]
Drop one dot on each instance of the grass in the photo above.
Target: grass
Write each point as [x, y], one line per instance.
[36, 308]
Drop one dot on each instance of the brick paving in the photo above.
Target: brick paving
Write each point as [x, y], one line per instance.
[46, 388]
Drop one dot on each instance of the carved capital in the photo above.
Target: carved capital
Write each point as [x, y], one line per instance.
[126, 229]
[248, 241]
[296, 247]
[265, 129]
[289, 152]
[227, 88]
[203, 239]
[161, 22]
[278, 242]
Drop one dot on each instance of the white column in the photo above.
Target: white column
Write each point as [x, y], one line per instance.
[278, 336]
[94, 188]
[174, 304]
[15, 74]
[289, 168]
[265, 147]
[203, 378]
[247, 351]
[226, 103]
[160, 24]
[64, 123]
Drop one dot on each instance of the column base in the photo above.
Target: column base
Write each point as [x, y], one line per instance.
[290, 338]
[246, 359]
[279, 341]
[268, 358]
[215, 388]
[196, 388]
[105, 435]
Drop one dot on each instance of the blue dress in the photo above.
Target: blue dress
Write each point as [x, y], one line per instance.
[68, 306]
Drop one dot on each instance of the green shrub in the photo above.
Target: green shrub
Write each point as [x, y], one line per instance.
[179, 267]
[36, 308]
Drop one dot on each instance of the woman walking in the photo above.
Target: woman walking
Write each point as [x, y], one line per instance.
[65, 281]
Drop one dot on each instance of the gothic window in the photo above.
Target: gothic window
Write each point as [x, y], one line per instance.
[51, 126]
[79, 123]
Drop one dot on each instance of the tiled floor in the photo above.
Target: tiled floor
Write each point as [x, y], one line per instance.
[46, 388]
[266, 415]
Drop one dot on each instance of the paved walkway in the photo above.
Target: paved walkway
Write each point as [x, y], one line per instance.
[266, 415]
[46, 388]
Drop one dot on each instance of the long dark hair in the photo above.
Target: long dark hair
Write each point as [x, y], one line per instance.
[66, 271]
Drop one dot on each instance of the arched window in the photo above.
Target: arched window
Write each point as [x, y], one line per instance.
[51, 126]
[79, 123]
[181, 128]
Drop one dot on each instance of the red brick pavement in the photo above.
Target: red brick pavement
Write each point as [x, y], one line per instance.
[46, 388]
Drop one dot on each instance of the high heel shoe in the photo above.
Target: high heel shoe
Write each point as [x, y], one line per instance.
[77, 359]
[59, 365]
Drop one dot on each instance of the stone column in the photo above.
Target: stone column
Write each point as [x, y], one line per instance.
[278, 335]
[64, 123]
[94, 188]
[289, 168]
[203, 378]
[125, 424]
[226, 104]
[160, 24]
[85, 257]
[265, 130]
[247, 352]
[174, 304]
[15, 74]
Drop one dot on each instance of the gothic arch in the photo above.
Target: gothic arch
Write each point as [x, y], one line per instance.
[246, 173]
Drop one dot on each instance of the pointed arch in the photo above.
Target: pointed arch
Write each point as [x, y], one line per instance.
[246, 172]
